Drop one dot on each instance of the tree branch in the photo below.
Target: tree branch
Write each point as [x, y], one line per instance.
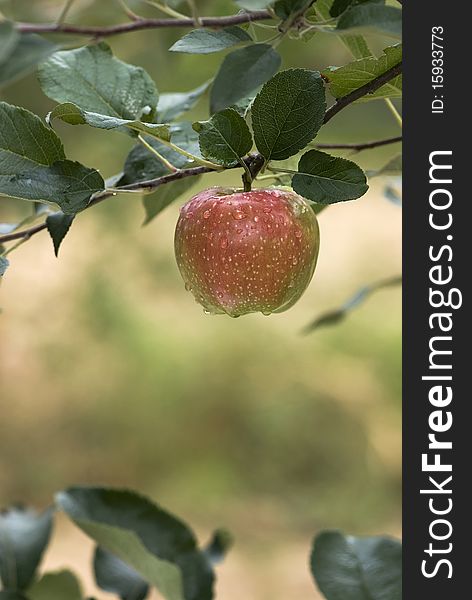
[152, 184]
[149, 185]
[368, 88]
[140, 24]
[362, 145]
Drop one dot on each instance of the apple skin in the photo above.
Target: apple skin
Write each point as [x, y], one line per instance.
[242, 252]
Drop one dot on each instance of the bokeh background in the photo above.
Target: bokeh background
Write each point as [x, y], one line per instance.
[111, 374]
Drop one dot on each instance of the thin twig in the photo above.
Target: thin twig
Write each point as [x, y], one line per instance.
[364, 90]
[360, 146]
[148, 186]
[101, 32]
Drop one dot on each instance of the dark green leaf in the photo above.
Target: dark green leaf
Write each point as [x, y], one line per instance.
[356, 44]
[372, 17]
[339, 6]
[344, 80]
[333, 317]
[254, 4]
[328, 179]
[152, 541]
[392, 167]
[171, 106]
[20, 53]
[24, 536]
[33, 165]
[285, 9]
[206, 41]
[62, 585]
[241, 73]
[225, 138]
[354, 568]
[142, 165]
[7, 595]
[218, 546]
[93, 79]
[115, 576]
[156, 202]
[8, 39]
[393, 191]
[58, 225]
[72, 114]
[4, 264]
[288, 112]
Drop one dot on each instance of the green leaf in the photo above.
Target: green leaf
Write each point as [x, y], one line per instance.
[173, 105]
[157, 545]
[24, 536]
[33, 164]
[285, 9]
[115, 576]
[333, 317]
[62, 585]
[372, 17]
[356, 44]
[392, 167]
[8, 595]
[142, 165]
[344, 80]
[72, 114]
[393, 191]
[339, 6]
[93, 79]
[8, 39]
[288, 112]
[328, 179]
[206, 41]
[29, 50]
[225, 138]
[354, 568]
[218, 546]
[241, 73]
[254, 4]
[156, 202]
[4, 264]
[58, 225]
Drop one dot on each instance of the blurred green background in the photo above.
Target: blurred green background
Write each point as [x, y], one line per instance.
[111, 374]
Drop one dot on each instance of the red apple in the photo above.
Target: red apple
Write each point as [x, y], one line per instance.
[242, 252]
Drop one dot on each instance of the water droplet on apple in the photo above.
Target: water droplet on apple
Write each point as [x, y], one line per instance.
[239, 215]
[223, 243]
[206, 214]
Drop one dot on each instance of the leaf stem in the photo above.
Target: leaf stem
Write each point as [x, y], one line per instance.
[394, 111]
[65, 9]
[157, 154]
[192, 157]
[166, 9]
